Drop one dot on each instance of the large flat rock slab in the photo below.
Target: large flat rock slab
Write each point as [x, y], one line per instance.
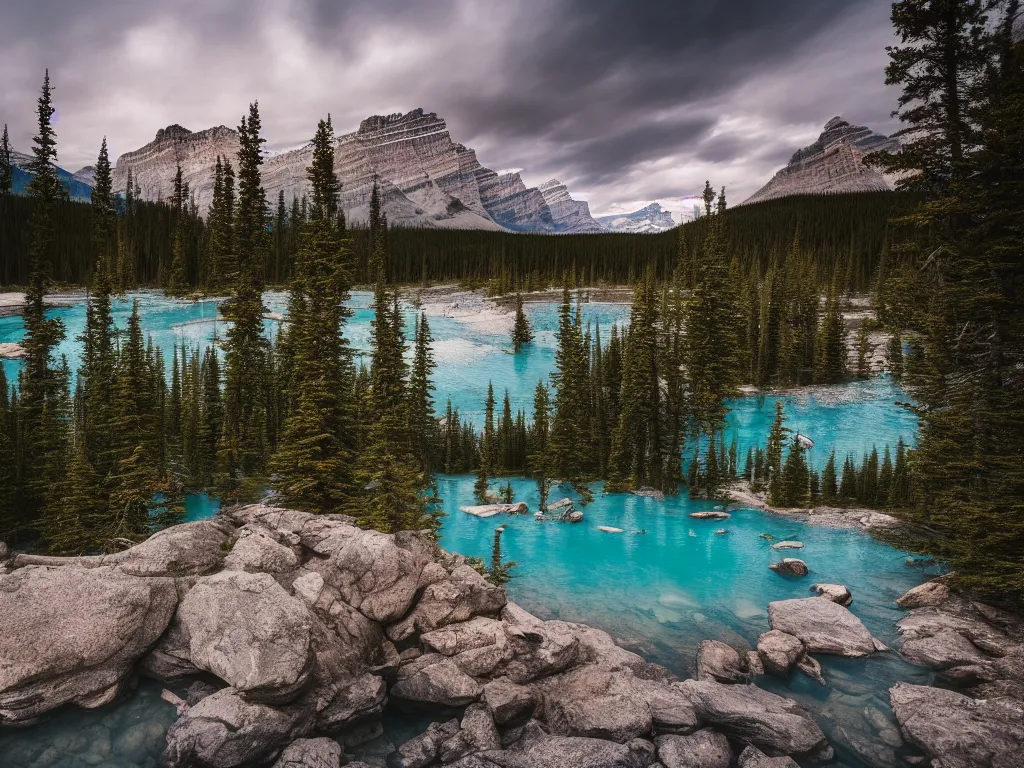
[823, 626]
[72, 635]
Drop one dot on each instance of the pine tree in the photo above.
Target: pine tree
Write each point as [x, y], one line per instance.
[488, 448]
[6, 170]
[865, 347]
[829, 484]
[422, 420]
[568, 437]
[315, 455]
[776, 441]
[522, 333]
[42, 386]
[246, 349]
[793, 488]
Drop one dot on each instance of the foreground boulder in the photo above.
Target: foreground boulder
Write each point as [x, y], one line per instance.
[72, 635]
[752, 757]
[562, 752]
[957, 731]
[703, 749]
[779, 651]
[773, 724]
[310, 753]
[246, 629]
[226, 731]
[823, 626]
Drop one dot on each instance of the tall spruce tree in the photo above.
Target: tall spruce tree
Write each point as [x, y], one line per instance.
[314, 459]
[6, 169]
[245, 446]
[422, 420]
[522, 332]
[42, 385]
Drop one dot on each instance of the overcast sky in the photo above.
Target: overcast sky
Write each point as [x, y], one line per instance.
[625, 101]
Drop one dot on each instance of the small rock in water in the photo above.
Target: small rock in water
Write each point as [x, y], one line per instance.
[721, 531]
[715, 514]
[837, 593]
[767, 536]
[788, 545]
[790, 566]
[610, 529]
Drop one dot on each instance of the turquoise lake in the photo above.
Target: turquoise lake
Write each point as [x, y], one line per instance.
[658, 593]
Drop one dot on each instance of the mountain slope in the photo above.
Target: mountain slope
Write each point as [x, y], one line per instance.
[833, 163]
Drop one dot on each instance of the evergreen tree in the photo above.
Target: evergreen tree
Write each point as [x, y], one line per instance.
[422, 421]
[865, 347]
[6, 170]
[776, 442]
[245, 442]
[793, 489]
[42, 386]
[829, 484]
[568, 436]
[315, 455]
[522, 333]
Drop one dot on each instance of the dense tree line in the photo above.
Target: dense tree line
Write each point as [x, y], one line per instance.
[846, 236]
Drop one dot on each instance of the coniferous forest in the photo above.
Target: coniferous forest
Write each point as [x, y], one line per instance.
[745, 295]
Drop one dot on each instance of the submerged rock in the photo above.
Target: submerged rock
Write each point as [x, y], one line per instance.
[788, 545]
[823, 626]
[710, 515]
[790, 566]
[73, 635]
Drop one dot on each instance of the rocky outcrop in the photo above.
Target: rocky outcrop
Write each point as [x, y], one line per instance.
[273, 658]
[823, 626]
[424, 178]
[72, 636]
[957, 731]
[837, 593]
[833, 163]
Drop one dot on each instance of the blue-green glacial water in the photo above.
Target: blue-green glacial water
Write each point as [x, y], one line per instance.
[659, 592]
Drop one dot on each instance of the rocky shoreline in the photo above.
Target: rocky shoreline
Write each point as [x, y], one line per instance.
[295, 632]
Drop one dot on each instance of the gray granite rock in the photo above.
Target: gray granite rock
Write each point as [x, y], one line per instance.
[434, 680]
[774, 724]
[73, 635]
[823, 626]
[702, 749]
[779, 652]
[226, 731]
[752, 757]
[957, 731]
[720, 662]
[246, 629]
[509, 701]
[311, 753]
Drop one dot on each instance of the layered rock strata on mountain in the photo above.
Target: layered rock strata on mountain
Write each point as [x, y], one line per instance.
[833, 163]
[567, 214]
[424, 177]
[310, 646]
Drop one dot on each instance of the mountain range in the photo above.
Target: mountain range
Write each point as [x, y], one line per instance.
[428, 180]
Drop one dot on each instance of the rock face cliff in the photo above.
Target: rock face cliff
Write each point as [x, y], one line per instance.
[833, 163]
[650, 219]
[569, 215]
[425, 178]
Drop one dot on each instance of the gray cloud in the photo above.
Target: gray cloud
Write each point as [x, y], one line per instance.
[623, 101]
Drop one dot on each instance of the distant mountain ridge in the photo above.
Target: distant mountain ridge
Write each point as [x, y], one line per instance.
[76, 189]
[425, 178]
[649, 219]
[833, 163]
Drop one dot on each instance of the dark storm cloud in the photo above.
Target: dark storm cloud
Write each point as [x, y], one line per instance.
[623, 101]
